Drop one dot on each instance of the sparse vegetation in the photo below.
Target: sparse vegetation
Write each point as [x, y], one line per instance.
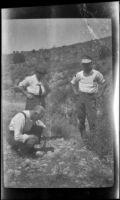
[61, 120]
[104, 52]
[18, 58]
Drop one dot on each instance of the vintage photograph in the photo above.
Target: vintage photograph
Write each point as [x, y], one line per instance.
[57, 94]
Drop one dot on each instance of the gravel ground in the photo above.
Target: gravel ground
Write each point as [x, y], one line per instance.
[71, 164]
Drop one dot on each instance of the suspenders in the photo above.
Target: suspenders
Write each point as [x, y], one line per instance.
[24, 115]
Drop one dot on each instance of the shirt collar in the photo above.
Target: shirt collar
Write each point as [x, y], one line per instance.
[27, 113]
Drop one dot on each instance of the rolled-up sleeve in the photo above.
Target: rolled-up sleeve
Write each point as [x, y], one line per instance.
[24, 83]
[21, 138]
[100, 78]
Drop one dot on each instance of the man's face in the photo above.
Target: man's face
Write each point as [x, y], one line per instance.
[35, 116]
[87, 67]
[39, 75]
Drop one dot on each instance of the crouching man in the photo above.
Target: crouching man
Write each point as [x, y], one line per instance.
[25, 130]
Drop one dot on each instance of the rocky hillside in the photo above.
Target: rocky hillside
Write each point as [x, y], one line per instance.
[70, 164]
[61, 58]
[74, 162]
[75, 51]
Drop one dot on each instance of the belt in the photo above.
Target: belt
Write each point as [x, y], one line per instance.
[87, 93]
[35, 95]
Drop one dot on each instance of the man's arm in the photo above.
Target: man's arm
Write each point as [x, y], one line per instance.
[74, 89]
[73, 84]
[21, 87]
[103, 88]
[102, 82]
[18, 129]
[23, 91]
[45, 89]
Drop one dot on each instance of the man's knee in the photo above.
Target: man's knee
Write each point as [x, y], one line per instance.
[32, 141]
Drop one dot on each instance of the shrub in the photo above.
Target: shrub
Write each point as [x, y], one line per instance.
[33, 51]
[18, 58]
[104, 52]
[62, 128]
[101, 142]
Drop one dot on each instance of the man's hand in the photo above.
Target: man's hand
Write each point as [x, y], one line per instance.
[75, 90]
[29, 96]
[40, 123]
[21, 89]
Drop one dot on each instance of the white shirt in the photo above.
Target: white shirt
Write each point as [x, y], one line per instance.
[31, 84]
[21, 125]
[88, 84]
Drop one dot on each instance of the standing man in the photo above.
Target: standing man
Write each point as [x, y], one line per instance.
[87, 82]
[25, 130]
[34, 89]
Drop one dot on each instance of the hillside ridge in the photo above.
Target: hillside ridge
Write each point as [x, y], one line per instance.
[64, 46]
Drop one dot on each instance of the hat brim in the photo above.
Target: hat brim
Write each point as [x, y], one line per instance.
[86, 61]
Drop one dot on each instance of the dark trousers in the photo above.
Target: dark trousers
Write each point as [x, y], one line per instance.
[86, 107]
[36, 100]
[28, 146]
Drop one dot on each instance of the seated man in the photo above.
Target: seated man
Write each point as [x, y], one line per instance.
[26, 129]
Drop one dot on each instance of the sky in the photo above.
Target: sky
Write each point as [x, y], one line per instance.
[29, 34]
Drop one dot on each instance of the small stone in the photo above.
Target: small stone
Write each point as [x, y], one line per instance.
[77, 181]
[17, 172]
[39, 153]
[81, 175]
[44, 164]
[66, 170]
[13, 184]
[71, 174]
[61, 163]
[55, 169]
[10, 172]
[26, 163]
[84, 148]
[8, 147]
[60, 140]
[57, 151]
[40, 169]
[27, 160]
[50, 154]
[27, 168]
[71, 149]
